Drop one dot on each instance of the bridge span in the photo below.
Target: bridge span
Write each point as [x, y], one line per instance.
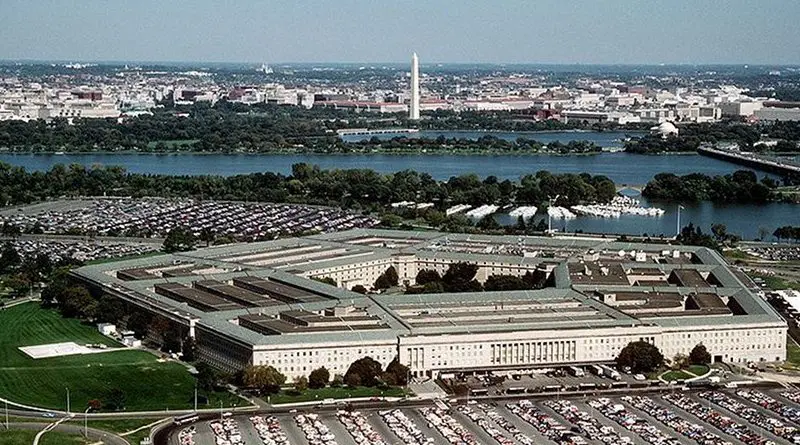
[752, 160]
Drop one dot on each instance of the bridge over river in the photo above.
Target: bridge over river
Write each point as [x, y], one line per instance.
[779, 166]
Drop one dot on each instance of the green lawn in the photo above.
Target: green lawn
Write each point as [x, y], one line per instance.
[148, 383]
[676, 375]
[335, 393]
[17, 437]
[777, 283]
[698, 370]
[792, 354]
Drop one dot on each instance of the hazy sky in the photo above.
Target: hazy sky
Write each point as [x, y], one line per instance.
[528, 31]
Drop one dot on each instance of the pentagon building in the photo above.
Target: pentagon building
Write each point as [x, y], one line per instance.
[258, 303]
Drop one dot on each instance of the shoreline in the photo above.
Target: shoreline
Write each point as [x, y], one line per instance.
[300, 153]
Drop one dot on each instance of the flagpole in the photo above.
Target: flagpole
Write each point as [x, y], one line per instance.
[678, 232]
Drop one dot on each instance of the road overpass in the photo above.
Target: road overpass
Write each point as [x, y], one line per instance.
[786, 168]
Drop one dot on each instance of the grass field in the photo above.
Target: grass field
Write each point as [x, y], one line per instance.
[17, 437]
[147, 383]
[777, 283]
[676, 375]
[698, 370]
[792, 354]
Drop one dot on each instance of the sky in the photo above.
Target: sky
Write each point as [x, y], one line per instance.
[440, 31]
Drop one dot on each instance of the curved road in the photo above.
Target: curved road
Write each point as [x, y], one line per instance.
[94, 434]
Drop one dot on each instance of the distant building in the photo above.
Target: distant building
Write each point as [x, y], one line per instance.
[664, 129]
[740, 109]
[779, 111]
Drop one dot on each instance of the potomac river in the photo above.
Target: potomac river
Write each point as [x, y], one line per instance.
[623, 168]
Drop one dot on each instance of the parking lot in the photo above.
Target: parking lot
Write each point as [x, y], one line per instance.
[154, 217]
[679, 417]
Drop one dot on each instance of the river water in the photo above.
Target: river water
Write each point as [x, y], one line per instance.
[623, 168]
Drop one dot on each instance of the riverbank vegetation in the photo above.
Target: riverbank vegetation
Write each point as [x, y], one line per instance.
[235, 128]
[691, 136]
[740, 187]
[358, 189]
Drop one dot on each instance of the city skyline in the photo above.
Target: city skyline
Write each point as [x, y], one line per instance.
[618, 32]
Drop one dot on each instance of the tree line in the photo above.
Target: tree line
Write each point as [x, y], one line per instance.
[358, 189]
[741, 186]
[691, 136]
[365, 371]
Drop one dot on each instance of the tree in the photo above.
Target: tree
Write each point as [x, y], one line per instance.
[338, 380]
[460, 277]
[720, 232]
[488, 223]
[115, 399]
[189, 350]
[426, 276]
[110, 309]
[392, 276]
[387, 279]
[266, 379]
[94, 404]
[364, 371]
[301, 383]
[178, 239]
[359, 289]
[505, 283]
[396, 373]
[9, 257]
[326, 280]
[699, 355]
[207, 376]
[207, 236]
[640, 357]
[680, 361]
[319, 378]
[18, 284]
[75, 302]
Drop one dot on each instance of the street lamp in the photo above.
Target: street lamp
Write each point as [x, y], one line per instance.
[86, 422]
[67, 399]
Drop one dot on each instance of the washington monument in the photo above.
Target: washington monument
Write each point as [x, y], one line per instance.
[413, 110]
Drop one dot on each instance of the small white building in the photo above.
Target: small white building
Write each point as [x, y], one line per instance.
[132, 342]
[107, 328]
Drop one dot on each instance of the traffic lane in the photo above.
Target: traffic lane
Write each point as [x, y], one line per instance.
[422, 424]
[293, 432]
[605, 421]
[694, 419]
[482, 436]
[496, 425]
[203, 436]
[657, 423]
[380, 427]
[523, 426]
[741, 420]
[341, 434]
[765, 411]
[552, 413]
[248, 431]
